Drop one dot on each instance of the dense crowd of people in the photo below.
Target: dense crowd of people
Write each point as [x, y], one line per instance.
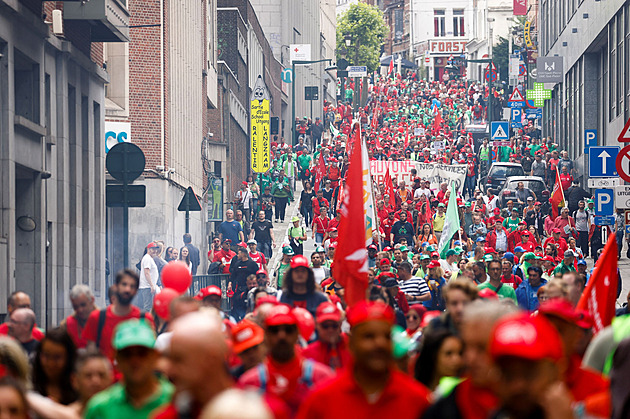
[485, 324]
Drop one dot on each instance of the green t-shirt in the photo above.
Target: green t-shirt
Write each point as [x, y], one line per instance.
[534, 148]
[282, 268]
[511, 224]
[506, 291]
[562, 269]
[113, 403]
[304, 161]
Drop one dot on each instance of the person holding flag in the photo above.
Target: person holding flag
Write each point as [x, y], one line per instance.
[557, 196]
[451, 223]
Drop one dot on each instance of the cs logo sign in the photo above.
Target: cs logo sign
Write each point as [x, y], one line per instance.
[116, 132]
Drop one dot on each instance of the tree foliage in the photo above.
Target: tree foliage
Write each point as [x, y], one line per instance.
[366, 26]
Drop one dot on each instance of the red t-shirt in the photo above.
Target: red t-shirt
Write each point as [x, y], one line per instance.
[228, 256]
[341, 398]
[259, 258]
[320, 225]
[75, 330]
[111, 321]
[513, 281]
[37, 334]
[335, 357]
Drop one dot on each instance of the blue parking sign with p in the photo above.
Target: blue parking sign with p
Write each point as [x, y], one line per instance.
[604, 202]
[516, 120]
[590, 139]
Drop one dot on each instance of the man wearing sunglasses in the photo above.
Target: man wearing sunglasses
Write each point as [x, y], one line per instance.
[331, 346]
[284, 373]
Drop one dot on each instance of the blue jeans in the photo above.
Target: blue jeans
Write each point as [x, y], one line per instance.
[307, 213]
[144, 299]
[265, 248]
[619, 234]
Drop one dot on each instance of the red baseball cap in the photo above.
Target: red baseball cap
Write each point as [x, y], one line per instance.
[261, 271]
[327, 311]
[332, 245]
[266, 299]
[549, 259]
[497, 211]
[433, 264]
[435, 254]
[151, 245]
[299, 261]
[208, 291]
[365, 311]
[280, 314]
[489, 250]
[556, 230]
[560, 307]
[527, 337]
[385, 261]
[245, 335]
[488, 294]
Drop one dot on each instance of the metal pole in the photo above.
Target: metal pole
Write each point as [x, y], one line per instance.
[125, 215]
[293, 104]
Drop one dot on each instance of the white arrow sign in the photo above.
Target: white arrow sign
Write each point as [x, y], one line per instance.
[604, 156]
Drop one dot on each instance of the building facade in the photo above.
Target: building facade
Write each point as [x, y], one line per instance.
[52, 152]
[594, 40]
[491, 19]
[440, 31]
[162, 85]
[295, 22]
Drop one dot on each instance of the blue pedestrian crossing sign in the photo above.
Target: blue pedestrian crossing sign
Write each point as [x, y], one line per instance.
[604, 202]
[499, 130]
[601, 161]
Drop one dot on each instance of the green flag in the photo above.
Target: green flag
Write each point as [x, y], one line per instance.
[451, 223]
[334, 131]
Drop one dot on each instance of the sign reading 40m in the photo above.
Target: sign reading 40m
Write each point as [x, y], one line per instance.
[260, 118]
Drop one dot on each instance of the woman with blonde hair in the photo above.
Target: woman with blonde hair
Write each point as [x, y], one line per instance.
[435, 280]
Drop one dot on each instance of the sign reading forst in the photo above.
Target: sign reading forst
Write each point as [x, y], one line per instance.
[437, 46]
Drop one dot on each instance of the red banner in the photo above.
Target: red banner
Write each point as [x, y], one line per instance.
[600, 294]
[350, 263]
[520, 7]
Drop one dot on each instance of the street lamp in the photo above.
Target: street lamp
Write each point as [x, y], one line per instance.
[293, 64]
[348, 40]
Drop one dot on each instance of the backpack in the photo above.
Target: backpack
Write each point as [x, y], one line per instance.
[102, 315]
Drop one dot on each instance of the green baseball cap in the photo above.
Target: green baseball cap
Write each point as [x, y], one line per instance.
[458, 249]
[287, 250]
[430, 248]
[403, 249]
[488, 258]
[590, 201]
[529, 255]
[133, 332]
[451, 252]
[441, 204]
[468, 204]
[320, 249]
[424, 257]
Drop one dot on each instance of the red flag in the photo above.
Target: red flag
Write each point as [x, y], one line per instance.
[320, 170]
[389, 189]
[407, 138]
[600, 293]
[390, 70]
[557, 196]
[437, 120]
[350, 261]
[425, 214]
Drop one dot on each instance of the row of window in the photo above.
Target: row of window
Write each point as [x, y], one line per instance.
[439, 22]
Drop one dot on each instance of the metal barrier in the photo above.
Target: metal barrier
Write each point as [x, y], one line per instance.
[220, 280]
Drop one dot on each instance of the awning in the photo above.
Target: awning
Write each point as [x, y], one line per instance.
[404, 63]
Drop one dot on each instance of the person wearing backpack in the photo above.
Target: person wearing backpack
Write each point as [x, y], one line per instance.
[285, 373]
[297, 236]
[100, 326]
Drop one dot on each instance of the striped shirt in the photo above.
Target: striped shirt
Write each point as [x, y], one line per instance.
[414, 286]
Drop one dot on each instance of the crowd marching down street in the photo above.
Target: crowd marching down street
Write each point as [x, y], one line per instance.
[449, 279]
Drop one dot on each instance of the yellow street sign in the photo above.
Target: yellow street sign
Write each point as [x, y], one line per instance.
[259, 120]
[528, 38]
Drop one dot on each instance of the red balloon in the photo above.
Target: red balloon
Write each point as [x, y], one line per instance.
[305, 322]
[176, 275]
[162, 302]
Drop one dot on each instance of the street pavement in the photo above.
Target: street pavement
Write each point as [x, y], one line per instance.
[281, 229]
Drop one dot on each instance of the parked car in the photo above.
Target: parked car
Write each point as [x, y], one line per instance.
[533, 183]
[498, 173]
